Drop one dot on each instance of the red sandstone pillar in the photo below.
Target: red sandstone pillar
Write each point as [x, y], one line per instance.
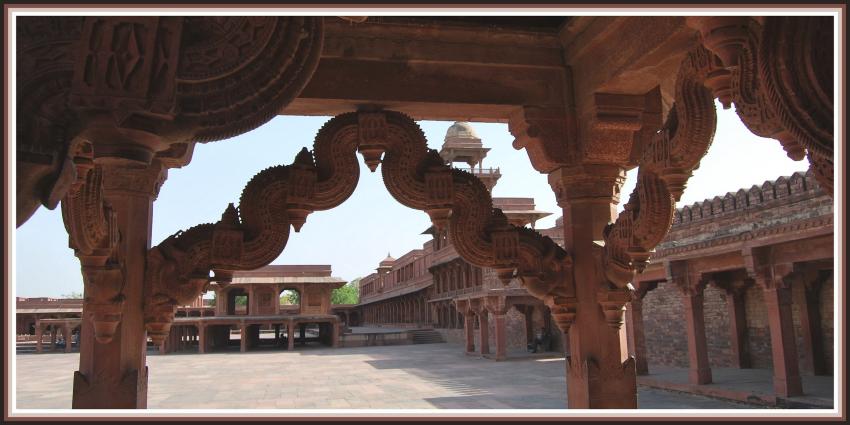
[68, 337]
[114, 374]
[335, 335]
[786, 375]
[689, 282]
[484, 332]
[597, 375]
[202, 339]
[469, 334]
[775, 280]
[637, 339]
[243, 338]
[52, 338]
[501, 336]
[699, 371]
[807, 300]
[528, 312]
[290, 336]
[39, 335]
[736, 308]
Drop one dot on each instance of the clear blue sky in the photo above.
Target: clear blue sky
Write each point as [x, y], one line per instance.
[355, 236]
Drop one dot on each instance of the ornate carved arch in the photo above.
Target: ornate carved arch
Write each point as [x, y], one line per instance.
[256, 232]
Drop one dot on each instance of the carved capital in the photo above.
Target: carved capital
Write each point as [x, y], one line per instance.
[587, 183]
[613, 303]
[133, 181]
[564, 310]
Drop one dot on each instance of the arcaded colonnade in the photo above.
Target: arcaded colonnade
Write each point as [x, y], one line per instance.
[124, 99]
[56, 327]
[777, 259]
[213, 334]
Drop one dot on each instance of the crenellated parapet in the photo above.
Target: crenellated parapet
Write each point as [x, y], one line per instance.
[770, 193]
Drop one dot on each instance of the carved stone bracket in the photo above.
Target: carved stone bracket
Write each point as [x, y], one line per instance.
[497, 305]
[666, 164]
[782, 80]
[140, 88]
[765, 272]
[93, 234]
[689, 282]
[547, 134]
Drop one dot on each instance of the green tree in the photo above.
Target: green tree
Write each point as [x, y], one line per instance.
[290, 297]
[74, 295]
[347, 294]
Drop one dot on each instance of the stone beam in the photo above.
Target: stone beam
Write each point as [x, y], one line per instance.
[429, 72]
[606, 55]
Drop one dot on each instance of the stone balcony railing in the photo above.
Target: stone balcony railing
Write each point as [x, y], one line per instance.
[482, 171]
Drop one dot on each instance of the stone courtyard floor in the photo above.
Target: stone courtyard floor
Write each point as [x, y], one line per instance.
[427, 376]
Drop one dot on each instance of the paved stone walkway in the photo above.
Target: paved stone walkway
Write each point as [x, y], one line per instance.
[754, 385]
[429, 376]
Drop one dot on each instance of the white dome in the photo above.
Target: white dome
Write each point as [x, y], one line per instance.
[461, 130]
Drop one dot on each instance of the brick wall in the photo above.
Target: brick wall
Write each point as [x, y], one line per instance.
[826, 316]
[664, 326]
[717, 327]
[758, 329]
[666, 335]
